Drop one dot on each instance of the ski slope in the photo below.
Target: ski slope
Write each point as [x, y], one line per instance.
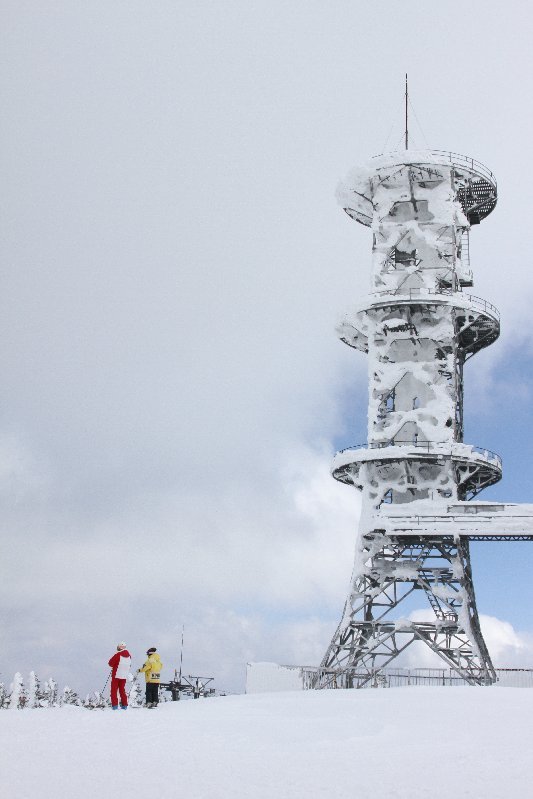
[401, 742]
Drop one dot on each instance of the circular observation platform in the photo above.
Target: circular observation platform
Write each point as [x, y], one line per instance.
[475, 468]
[475, 185]
[477, 321]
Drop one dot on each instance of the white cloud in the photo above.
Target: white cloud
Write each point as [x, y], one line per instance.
[23, 476]
[507, 647]
[281, 558]
[174, 265]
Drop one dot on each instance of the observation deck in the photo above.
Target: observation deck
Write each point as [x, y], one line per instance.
[478, 321]
[477, 521]
[475, 468]
[475, 185]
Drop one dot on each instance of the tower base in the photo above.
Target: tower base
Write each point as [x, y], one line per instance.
[388, 570]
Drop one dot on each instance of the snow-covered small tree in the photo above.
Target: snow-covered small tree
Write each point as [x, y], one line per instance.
[89, 702]
[18, 694]
[35, 693]
[4, 696]
[50, 698]
[69, 697]
[164, 696]
[135, 696]
[100, 701]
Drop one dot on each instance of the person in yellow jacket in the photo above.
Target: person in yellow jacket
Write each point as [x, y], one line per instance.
[152, 673]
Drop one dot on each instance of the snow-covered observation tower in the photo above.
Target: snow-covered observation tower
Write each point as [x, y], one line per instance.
[418, 326]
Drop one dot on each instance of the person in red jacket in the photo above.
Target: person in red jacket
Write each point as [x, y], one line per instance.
[120, 664]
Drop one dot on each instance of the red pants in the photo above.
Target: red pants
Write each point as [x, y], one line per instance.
[120, 686]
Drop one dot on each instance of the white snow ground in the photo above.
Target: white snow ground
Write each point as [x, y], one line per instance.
[398, 742]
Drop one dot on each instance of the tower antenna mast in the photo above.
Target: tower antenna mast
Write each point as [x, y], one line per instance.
[406, 121]
[181, 654]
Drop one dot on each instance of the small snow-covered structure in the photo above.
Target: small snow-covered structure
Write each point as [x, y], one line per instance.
[418, 327]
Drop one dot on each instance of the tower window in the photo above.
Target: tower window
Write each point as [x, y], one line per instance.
[405, 258]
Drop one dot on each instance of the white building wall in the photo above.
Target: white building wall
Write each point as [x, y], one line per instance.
[268, 677]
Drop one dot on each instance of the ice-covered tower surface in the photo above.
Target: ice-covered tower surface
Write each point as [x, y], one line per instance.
[418, 327]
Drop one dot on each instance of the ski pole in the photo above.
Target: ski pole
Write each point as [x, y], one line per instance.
[108, 676]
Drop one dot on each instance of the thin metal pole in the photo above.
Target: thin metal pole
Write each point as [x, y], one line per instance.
[105, 686]
[406, 120]
[181, 654]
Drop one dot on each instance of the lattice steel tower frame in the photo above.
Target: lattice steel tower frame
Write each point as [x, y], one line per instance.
[418, 327]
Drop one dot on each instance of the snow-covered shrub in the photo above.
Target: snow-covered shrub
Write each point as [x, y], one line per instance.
[37, 696]
[18, 695]
[135, 697]
[100, 701]
[35, 692]
[4, 696]
[94, 701]
[164, 696]
[69, 697]
[50, 698]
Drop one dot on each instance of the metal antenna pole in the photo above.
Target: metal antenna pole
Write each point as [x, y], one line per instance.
[406, 120]
[181, 654]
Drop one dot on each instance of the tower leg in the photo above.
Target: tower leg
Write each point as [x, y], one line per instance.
[371, 635]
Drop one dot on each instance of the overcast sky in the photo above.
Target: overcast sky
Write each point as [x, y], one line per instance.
[173, 267]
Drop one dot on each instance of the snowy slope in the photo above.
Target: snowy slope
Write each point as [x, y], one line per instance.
[403, 742]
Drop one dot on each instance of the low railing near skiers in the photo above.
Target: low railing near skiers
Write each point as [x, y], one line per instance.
[395, 678]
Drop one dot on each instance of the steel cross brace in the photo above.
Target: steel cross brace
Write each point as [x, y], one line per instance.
[366, 640]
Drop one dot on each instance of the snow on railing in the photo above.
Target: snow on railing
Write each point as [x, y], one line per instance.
[454, 158]
[393, 678]
[480, 302]
[428, 446]
[466, 160]
[487, 454]
[410, 294]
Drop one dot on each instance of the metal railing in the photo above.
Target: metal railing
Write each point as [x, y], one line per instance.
[487, 454]
[397, 677]
[481, 303]
[410, 294]
[454, 158]
[428, 446]
[467, 161]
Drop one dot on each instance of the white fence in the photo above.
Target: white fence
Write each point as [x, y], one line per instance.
[394, 678]
[267, 677]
